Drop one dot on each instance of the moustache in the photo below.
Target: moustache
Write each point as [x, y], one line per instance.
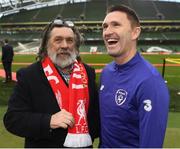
[62, 51]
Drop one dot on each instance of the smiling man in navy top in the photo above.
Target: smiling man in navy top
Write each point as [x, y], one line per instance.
[134, 100]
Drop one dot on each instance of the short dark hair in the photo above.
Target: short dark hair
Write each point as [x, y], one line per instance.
[46, 35]
[6, 40]
[131, 14]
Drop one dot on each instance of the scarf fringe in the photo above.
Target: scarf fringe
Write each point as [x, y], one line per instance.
[78, 140]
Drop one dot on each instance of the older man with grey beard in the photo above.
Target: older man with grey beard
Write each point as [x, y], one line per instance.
[55, 100]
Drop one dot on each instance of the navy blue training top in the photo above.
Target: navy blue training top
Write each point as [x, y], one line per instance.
[134, 104]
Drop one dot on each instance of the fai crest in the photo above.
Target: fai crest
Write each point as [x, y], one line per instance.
[120, 96]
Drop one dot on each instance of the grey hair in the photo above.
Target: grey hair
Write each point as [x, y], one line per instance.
[46, 36]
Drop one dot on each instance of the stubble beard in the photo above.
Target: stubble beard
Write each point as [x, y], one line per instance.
[114, 53]
[62, 60]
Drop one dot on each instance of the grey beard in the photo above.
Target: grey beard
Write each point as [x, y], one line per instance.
[62, 62]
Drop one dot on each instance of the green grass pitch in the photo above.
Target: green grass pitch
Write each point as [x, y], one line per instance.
[172, 75]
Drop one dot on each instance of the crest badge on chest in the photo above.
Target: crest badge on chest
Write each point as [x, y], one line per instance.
[120, 96]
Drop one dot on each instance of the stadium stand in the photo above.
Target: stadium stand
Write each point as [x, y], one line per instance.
[169, 10]
[95, 10]
[45, 16]
[76, 8]
[145, 9]
[159, 20]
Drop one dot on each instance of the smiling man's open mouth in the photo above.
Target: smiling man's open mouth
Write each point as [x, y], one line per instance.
[112, 41]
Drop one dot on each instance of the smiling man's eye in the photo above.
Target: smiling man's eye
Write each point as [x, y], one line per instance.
[116, 24]
[104, 26]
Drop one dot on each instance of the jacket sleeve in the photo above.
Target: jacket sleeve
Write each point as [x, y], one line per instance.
[95, 105]
[153, 104]
[2, 57]
[93, 112]
[20, 118]
[12, 53]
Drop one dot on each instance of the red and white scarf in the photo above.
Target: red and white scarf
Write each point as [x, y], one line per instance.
[74, 99]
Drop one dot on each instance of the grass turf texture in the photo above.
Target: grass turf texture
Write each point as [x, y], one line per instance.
[172, 75]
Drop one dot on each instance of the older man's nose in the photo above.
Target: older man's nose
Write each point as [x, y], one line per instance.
[64, 44]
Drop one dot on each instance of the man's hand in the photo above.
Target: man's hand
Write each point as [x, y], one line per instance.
[62, 119]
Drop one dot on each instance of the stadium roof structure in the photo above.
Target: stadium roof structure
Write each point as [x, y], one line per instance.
[17, 3]
[8, 7]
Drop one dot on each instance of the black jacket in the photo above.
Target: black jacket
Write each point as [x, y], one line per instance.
[32, 104]
[7, 53]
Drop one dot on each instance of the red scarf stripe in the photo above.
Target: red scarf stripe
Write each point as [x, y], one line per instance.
[74, 99]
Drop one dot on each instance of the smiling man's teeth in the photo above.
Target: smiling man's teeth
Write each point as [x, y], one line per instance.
[111, 40]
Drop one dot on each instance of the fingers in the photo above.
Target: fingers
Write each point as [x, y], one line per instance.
[63, 119]
[68, 119]
[68, 122]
